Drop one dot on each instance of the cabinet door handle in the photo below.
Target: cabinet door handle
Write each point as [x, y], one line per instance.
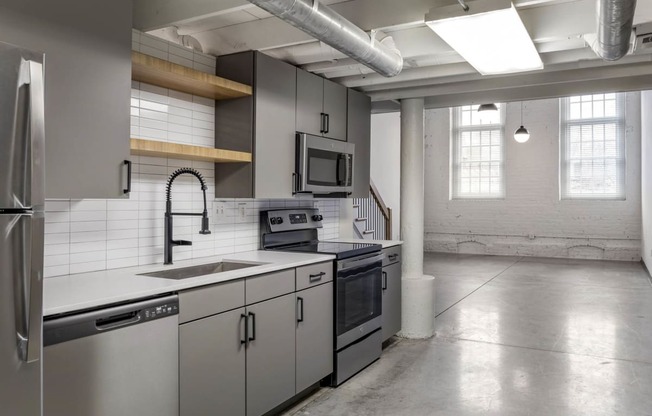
[316, 277]
[253, 326]
[392, 257]
[243, 340]
[322, 126]
[328, 123]
[384, 280]
[300, 311]
[128, 188]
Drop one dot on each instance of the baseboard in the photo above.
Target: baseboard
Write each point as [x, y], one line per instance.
[649, 276]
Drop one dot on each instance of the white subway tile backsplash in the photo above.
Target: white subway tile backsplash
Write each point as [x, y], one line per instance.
[90, 235]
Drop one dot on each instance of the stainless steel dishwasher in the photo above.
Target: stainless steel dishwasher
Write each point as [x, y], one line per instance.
[121, 360]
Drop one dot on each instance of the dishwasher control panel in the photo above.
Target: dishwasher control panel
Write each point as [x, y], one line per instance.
[73, 326]
[160, 311]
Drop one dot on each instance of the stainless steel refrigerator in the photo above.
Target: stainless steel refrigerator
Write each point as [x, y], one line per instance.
[21, 230]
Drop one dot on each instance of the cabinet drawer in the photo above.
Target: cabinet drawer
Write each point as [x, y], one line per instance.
[269, 286]
[392, 255]
[210, 300]
[314, 275]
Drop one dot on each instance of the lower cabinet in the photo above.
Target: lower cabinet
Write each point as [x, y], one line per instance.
[314, 335]
[212, 365]
[391, 317]
[270, 354]
[249, 360]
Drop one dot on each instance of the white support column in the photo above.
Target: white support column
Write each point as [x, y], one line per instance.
[418, 290]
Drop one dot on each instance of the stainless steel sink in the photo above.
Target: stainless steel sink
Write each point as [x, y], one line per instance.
[200, 270]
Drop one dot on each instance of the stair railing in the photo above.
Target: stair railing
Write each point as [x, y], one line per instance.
[375, 214]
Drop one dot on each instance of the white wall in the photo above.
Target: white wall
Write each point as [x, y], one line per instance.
[531, 220]
[90, 235]
[386, 162]
[646, 174]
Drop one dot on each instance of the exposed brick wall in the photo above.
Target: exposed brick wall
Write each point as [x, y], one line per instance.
[531, 220]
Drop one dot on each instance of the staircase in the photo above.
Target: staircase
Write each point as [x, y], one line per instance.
[372, 219]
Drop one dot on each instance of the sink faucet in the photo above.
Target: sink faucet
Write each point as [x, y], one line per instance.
[169, 241]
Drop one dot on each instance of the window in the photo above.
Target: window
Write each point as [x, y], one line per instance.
[477, 153]
[592, 147]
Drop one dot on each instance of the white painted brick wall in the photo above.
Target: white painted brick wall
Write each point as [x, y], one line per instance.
[90, 235]
[531, 208]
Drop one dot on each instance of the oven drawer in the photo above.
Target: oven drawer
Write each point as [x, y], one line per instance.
[392, 255]
[314, 275]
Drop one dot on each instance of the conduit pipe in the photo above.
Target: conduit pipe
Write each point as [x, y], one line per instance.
[326, 25]
[615, 20]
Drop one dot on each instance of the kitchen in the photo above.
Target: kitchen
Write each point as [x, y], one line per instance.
[265, 301]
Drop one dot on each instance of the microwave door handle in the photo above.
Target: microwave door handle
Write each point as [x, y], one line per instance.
[349, 179]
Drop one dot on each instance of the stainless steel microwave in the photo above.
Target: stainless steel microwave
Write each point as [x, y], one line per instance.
[324, 166]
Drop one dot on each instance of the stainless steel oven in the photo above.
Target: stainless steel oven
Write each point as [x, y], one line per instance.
[324, 166]
[358, 300]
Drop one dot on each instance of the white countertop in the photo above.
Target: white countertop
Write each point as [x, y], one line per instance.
[384, 243]
[90, 290]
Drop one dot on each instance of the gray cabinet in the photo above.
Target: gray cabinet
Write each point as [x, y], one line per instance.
[270, 354]
[212, 365]
[314, 332]
[321, 106]
[391, 318]
[263, 124]
[87, 46]
[359, 133]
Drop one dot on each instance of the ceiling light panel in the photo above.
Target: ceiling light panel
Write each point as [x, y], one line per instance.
[490, 36]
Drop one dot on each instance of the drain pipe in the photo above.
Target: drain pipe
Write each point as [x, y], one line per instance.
[327, 26]
[615, 20]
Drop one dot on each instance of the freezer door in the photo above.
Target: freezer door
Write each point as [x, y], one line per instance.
[21, 300]
[22, 146]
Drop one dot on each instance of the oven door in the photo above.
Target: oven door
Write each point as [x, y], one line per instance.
[324, 165]
[358, 298]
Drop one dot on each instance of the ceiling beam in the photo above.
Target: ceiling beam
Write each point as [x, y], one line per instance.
[156, 14]
[594, 77]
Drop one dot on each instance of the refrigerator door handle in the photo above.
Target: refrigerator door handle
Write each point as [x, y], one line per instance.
[29, 344]
[37, 134]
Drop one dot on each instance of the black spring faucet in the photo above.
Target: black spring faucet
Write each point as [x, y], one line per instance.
[169, 241]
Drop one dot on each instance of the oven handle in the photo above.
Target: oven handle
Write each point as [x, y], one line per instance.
[352, 264]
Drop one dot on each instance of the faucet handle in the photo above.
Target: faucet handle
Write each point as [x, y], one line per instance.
[181, 242]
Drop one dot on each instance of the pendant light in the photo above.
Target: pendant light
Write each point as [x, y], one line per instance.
[521, 135]
[487, 107]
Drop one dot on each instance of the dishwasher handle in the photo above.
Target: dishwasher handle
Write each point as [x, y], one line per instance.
[60, 329]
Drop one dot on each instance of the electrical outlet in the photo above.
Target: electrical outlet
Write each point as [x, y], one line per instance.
[242, 211]
[220, 209]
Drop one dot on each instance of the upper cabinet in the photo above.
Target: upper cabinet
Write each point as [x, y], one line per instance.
[263, 124]
[321, 106]
[87, 46]
[359, 133]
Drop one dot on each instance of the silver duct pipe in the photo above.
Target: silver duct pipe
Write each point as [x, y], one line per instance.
[326, 25]
[615, 19]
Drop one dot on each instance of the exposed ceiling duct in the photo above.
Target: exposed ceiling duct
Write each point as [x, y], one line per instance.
[615, 19]
[325, 25]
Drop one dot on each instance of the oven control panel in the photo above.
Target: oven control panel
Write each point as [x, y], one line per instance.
[291, 219]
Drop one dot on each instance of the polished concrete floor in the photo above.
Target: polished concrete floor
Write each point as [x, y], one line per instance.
[515, 336]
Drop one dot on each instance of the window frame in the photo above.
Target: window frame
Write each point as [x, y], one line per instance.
[564, 157]
[456, 143]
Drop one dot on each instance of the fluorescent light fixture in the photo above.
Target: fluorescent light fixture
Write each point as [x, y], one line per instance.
[490, 36]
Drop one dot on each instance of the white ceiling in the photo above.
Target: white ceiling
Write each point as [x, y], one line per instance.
[557, 28]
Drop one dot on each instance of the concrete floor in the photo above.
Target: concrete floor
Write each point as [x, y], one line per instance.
[515, 336]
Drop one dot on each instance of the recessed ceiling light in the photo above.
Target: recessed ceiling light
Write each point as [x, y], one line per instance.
[490, 36]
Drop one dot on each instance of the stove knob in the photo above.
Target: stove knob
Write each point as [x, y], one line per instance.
[272, 220]
[279, 220]
[317, 217]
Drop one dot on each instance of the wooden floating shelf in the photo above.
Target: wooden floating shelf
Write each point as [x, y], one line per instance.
[166, 74]
[188, 152]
